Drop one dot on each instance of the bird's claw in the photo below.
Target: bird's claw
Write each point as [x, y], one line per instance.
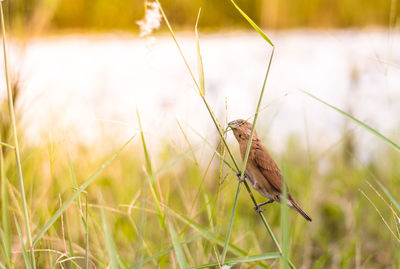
[258, 209]
[240, 178]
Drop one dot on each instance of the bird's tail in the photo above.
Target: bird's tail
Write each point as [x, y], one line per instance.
[296, 207]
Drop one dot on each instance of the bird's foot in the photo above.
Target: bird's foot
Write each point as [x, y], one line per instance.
[258, 209]
[240, 178]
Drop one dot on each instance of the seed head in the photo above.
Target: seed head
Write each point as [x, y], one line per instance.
[152, 19]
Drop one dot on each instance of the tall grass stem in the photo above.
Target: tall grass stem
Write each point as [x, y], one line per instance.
[16, 144]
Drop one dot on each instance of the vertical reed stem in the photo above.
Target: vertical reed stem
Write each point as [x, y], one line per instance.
[14, 130]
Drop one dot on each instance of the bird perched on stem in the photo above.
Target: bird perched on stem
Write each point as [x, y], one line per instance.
[261, 170]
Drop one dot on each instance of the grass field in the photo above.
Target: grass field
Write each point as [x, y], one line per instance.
[74, 206]
[346, 232]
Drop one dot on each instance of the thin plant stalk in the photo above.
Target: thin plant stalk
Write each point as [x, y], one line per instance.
[86, 235]
[362, 124]
[82, 215]
[4, 207]
[21, 241]
[151, 176]
[16, 144]
[215, 121]
[285, 228]
[77, 192]
[245, 161]
[202, 95]
[107, 233]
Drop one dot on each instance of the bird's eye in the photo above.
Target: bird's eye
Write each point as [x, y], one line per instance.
[240, 136]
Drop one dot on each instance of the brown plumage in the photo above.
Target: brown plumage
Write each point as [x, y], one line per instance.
[261, 170]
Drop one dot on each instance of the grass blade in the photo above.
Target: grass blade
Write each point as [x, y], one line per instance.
[77, 192]
[391, 198]
[150, 173]
[252, 23]
[7, 145]
[83, 217]
[16, 144]
[252, 129]
[180, 256]
[200, 68]
[208, 235]
[364, 125]
[110, 245]
[169, 164]
[380, 214]
[161, 253]
[256, 258]
[70, 247]
[228, 233]
[6, 239]
[285, 229]
[214, 150]
[197, 86]
[21, 241]
[86, 235]
[177, 44]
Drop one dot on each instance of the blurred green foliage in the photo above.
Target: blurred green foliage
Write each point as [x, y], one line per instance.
[100, 15]
[346, 229]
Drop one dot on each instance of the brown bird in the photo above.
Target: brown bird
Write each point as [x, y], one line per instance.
[261, 170]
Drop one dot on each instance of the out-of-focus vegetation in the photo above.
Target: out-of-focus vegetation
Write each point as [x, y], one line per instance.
[100, 15]
[346, 232]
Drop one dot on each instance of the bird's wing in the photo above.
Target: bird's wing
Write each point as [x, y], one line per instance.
[268, 167]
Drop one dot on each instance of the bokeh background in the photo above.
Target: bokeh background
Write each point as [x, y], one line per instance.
[81, 75]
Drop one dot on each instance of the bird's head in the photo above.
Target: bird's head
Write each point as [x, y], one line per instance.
[241, 130]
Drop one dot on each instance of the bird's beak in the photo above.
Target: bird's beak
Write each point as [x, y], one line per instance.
[231, 125]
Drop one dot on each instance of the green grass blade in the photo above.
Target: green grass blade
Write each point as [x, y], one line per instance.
[245, 163]
[7, 145]
[149, 167]
[214, 150]
[381, 215]
[253, 127]
[177, 44]
[208, 235]
[6, 239]
[70, 247]
[110, 244]
[189, 144]
[364, 125]
[232, 261]
[162, 253]
[252, 23]
[200, 68]
[228, 234]
[150, 173]
[391, 198]
[83, 217]
[197, 86]
[74, 181]
[16, 144]
[77, 192]
[180, 256]
[21, 241]
[285, 229]
[86, 235]
[168, 165]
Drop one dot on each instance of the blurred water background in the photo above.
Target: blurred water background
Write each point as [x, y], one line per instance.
[83, 71]
[84, 88]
